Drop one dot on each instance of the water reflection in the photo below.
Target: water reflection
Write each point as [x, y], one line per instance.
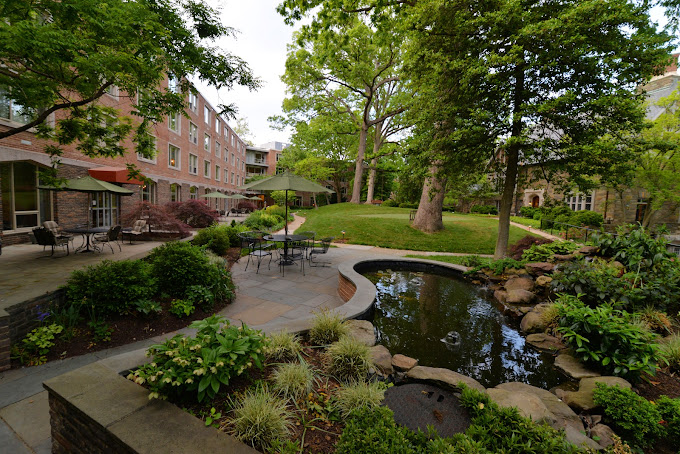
[415, 312]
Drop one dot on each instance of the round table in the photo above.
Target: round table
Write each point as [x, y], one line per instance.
[285, 239]
[87, 232]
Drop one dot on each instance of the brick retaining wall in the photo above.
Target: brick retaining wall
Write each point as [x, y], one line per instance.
[346, 288]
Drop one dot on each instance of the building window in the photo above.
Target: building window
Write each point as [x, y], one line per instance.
[580, 202]
[233, 159]
[206, 114]
[23, 204]
[112, 91]
[641, 210]
[232, 178]
[173, 84]
[232, 140]
[217, 125]
[175, 192]
[149, 192]
[193, 193]
[174, 122]
[278, 155]
[218, 149]
[193, 133]
[173, 157]
[193, 164]
[218, 175]
[193, 102]
[206, 142]
[238, 163]
[105, 209]
[206, 169]
[152, 160]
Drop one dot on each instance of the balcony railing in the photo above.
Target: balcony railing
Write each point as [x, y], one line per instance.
[261, 161]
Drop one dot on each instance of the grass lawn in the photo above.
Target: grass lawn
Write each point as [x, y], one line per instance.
[390, 228]
[455, 259]
[526, 221]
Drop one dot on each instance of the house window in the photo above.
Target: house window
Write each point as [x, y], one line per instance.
[232, 178]
[193, 102]
[233, 159]
[206, 142]
[173, 157]
[112, 91]
[206, 169]
[218, 149]
[217, 125]
[641, 210]
[218, 176]
[278, 156]
[580, 202]
[232, 140]
[238, 163]
[193, 133]
[23, 204]
[206, 114]
[193, 193]
[193, 164]
[174, 122]
[175, 192]
[173, 84]
[151, 160]
[149, 192]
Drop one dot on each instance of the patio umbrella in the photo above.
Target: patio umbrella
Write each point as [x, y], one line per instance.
[216, 195]
[286, 181]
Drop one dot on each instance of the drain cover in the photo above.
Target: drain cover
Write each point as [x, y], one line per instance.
[417, 405]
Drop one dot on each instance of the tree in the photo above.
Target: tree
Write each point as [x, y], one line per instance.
[61, 57]
[243, 131]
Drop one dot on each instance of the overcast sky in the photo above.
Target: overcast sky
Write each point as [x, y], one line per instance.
[262, 42]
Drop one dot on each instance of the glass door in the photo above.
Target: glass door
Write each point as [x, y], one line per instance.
[105, 209]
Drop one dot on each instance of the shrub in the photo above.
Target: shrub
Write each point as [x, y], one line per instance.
[607, 338]
[276, 210]
[199, 365]
[525, 243]
[260, 419]
[181, 308]
[587, 218]
[655, 320]
[473, 261]
[550, 316]
[537, 216]
[634, 418]
[195, 213]
[250, 206]
[148, 307]
[216, 238]
[541, 252]
[390, 203]
[157, 217]
[634, 247]
[327, 328]
[670, 414]
[498, 267]
[282, 346]
[528, 212]
[411, 205]
[294, 380]
[484, 209]
[40, 340]
[670, 351]
[348, 359]
[259, 220]
[280, 197]
[374, 430]
[111, 286]
[359, 394]
[178, 265]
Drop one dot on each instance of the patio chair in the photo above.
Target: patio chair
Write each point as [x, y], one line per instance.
[320, 248]
[257, 249]
[107, 238]
[53, 227]
[136, 230]
[296, 253]
[46, 237]
[253, 236]
[309, 242]
[234, 212]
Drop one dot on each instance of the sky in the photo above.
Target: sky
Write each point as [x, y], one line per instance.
[262, 41]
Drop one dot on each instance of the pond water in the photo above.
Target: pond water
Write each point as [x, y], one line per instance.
[444, 321]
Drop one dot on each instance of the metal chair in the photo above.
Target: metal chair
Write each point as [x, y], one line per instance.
[320, 249]
[309, 241]
[53, 227]
[46, 237]
[107, 238]
[258, 250]
[296, 251]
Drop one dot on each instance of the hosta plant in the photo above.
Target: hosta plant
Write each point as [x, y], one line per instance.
[200, 365]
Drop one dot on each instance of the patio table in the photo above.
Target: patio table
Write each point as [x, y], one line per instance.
[285, 239]
[87, 233]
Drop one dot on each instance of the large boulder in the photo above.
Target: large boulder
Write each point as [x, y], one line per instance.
[520, 296]
[587, 250]
[382, 359]
[573, 367]
[544, 342]
[532, 323]
[604, 434]
[528, 405]
[442, 377]
[362, 330]
[519, 283]
[582, 400]
[501, 296]
[539, 268]
[403, 362]
[543, 281]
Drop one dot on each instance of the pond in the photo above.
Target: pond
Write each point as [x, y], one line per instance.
[446, 322]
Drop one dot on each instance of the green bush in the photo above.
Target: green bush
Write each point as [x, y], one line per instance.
[587, 218]
[670, 414]
[546, 251]
[528, 212]
[182, 308]
[537, 216]
[411, 205]
[349, 359]
[633, 417]
[634, 247]
[111, 286]
[607, 338]
[484, 209]
[200, 365]
[261, 419]
[39, 341]
[260, 220]
[670, 350]
[277, 210]
[148, 307]
[498, 267]
[390, 203]
[216, 238]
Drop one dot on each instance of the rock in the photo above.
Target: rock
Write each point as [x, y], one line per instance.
[577, 436]
[582, 400]
[563, 414]
[513, 271]
[539, 268]
[560, 393]
[404, 363]
[543, 281]
[587, 250]
[500, 295]
[529, 405]
[532, 323]
[443, 377]
[564, 258]
[382, 359]
[519, 296]
[362, 330]
[596, 419]
[545, 342]
[573, 367]
[604, 435]
[519, 283]
[616, 264]
[524, 309]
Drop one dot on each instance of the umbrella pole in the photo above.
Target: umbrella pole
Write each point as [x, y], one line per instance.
[286, 230]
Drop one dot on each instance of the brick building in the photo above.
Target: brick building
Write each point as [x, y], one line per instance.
[196, 154]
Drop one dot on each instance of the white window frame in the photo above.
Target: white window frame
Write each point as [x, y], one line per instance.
[178, 122]
[206, 168]
[233, 159]
[232, 139]
[206, 114]
[178, 157]
[173, 84]
[193, 102]
[578, 202]
[193, 193]
[218, 175]
[150, 189]
[217, 125]
[206, 142]
[193, 133]
[13, 118]
[177, 192]
[150, 161]
[112, 91]
[193, 170]
[218, 149]
[232, 178]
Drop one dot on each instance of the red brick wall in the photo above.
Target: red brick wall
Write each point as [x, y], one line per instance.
[346, 288]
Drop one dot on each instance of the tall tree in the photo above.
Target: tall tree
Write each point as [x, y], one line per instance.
[61, 57]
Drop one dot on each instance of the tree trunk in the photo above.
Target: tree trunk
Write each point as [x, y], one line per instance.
[359, 168]
[429, 215]
[371, 181]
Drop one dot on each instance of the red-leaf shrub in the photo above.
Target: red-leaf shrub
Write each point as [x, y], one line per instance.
[195, 213]
[247, 205]
[157, 218]
[525, 243]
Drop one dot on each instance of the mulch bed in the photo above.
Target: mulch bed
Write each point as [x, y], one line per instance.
[664, 383]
